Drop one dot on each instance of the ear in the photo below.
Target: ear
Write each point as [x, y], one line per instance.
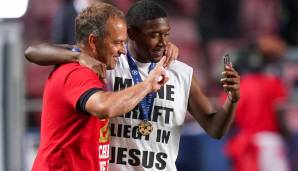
[92, 39]
[132, 33]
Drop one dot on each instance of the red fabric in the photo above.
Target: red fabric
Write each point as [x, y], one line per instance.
[256, 110]
[255, 113]
[243, 152]
[69, 139]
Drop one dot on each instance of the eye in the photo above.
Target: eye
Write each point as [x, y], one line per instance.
[118, 42]
[154, 35]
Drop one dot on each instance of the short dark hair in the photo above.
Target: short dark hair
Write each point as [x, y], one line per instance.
[142, 11]
[92, 20]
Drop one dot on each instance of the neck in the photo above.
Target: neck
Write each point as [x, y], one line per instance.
[135, 55]
[86, 50]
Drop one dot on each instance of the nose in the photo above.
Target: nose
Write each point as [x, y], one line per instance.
[162, 41]
[122, 49]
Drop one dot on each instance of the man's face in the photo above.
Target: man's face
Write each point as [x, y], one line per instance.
[151, 39]
[113, 44]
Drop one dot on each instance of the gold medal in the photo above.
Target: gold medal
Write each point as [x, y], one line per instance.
[145, 128]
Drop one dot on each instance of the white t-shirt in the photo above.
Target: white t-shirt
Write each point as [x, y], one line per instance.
[158, 151]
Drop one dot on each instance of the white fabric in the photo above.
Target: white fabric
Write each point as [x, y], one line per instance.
[272, 152]
[158, 151]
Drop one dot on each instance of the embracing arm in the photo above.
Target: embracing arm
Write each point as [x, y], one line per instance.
[216, 121]
[50, 54]
[54, 54]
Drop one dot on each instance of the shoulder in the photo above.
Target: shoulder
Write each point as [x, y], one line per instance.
[73, 67]
[73, 71]
[179, 63]
[180, 66]
[181, 73]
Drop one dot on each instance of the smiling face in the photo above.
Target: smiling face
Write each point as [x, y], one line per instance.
[112, 45]
[149, 41]
[101, 32]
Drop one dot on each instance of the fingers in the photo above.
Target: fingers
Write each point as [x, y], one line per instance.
[171, 53]
[231, 82]
[230, 72]
[172, 50]
[175, 53]
[95, 65]
[167, 54]
[231, 87]
[99, 68]
[164, 76]
[230, 79]
[163, 81]
[158, 76]
[158, 68]
[161, 62]
[102, 70]
[229, 67]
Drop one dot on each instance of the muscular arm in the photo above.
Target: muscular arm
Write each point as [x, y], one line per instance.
[216, 121]
[48, 54]
[53, 54]
[111, 104]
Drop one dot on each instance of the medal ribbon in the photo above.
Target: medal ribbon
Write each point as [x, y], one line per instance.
[146, 104]
[75, 49]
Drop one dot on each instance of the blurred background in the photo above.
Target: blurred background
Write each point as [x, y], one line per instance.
[261, 37]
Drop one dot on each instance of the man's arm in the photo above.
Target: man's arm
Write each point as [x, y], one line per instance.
[51, 54]
[215, 121]
[111, 104]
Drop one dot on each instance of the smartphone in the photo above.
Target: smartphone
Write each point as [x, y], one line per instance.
[226, 60]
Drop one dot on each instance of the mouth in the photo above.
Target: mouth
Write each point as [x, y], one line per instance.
[157, 53]
[116, 58]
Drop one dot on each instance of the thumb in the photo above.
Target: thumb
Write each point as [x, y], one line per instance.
[164, 78]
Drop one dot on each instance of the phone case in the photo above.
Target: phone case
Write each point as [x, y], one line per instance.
[226, 60]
